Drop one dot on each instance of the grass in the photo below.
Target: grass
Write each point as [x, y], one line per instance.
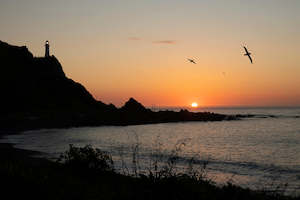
[88, 173]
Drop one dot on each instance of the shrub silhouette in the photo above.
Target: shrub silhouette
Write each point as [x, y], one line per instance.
[87, 158]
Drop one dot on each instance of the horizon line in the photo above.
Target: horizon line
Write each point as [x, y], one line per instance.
[224, 106]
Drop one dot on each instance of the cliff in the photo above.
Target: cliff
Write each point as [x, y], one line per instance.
[29, 83]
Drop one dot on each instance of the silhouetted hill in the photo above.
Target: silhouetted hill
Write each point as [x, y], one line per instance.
[36, 90]
[29, 83]
[35, 93]
[133, 106]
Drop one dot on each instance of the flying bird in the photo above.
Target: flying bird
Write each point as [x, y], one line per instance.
[192, 61]
[248, 54]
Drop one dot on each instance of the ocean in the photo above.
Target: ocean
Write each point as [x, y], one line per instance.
[261, 152]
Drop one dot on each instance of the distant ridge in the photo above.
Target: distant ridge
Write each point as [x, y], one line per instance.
[35, 93]
[133, 106]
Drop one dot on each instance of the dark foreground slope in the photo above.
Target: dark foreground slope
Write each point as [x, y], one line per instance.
[25, 177]
[35, 93]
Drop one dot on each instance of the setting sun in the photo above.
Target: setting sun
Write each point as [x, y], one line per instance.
[194, 105]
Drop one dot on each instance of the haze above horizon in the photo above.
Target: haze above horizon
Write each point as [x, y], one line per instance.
[129, 48]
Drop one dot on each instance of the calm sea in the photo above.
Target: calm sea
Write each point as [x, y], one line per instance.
[262, 152]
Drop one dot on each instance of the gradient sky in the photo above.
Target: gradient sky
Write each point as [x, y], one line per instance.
[139, 48]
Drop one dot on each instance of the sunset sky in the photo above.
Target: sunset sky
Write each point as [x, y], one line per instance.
[139, 48]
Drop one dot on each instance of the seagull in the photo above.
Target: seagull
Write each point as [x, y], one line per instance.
[192, 61]
[247, 54]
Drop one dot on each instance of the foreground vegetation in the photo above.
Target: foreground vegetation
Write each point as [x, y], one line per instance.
[88, 173]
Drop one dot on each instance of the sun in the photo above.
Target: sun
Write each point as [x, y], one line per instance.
[194, 105]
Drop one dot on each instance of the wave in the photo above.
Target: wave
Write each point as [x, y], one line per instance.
[233, 167]
[265, 116]
[225, 166]
[271, 168]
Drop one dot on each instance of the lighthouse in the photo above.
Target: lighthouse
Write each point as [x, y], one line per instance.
[47, 51]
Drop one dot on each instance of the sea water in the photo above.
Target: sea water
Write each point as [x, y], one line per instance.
[261, 152]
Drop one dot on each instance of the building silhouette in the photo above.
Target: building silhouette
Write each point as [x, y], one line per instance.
[47, 51]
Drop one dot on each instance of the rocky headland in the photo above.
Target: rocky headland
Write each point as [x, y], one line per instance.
[36, 93]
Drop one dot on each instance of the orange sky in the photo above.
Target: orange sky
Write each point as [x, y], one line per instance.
[120, 49]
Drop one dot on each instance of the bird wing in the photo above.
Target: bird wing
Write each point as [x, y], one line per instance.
[250, 58]
[191, 60]
[246, 49]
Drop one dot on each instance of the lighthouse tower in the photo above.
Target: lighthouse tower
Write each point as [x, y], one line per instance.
[47, 51]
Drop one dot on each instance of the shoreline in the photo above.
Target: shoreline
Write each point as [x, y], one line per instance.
[8, 151]
[51, 173]
[21, 158]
